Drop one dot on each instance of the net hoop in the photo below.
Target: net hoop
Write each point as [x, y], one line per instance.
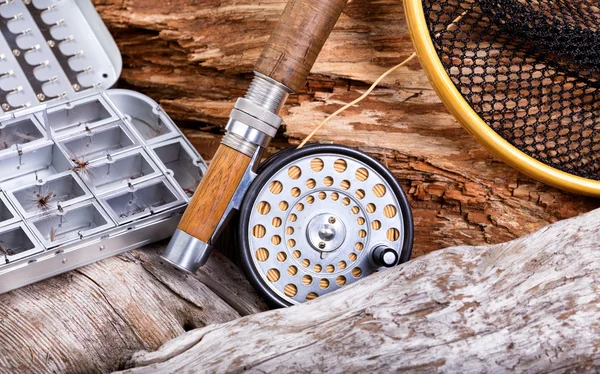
[470, 120]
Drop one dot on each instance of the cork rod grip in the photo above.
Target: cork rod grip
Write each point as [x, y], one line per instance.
[214, 193]
[298, 39]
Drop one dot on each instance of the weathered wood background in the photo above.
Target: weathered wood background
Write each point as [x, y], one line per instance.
[196, 58]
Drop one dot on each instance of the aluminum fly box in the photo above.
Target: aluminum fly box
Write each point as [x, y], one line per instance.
[86, 172]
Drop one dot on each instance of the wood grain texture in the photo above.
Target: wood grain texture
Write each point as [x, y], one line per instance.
[196, 58]
[530, 305]
[214, 193]
[297, 40]
[89, 320]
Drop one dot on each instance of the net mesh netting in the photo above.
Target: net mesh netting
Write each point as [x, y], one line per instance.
[530, 69]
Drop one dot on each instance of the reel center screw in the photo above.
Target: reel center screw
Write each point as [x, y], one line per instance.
[326, 232]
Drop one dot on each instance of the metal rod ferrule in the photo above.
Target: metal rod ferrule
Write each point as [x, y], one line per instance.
[254, 120]
[186, 252]
[240, 143]
[267, 93]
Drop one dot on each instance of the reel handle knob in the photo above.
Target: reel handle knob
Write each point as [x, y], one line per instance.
[385, 256]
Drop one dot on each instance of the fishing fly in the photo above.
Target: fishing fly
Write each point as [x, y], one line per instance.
[148, 130]
[53, 234]
[137, 206]
[82, 165]
[81, 162]
[43, 201]
[191, 189]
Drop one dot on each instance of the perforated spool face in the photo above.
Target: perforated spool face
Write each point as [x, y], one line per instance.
[315, 221]
[529, 69]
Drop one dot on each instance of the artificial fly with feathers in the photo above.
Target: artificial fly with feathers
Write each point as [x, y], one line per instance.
[81, 165]
[43, 201]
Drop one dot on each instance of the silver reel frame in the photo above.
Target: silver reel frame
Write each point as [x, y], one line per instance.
[322, 276]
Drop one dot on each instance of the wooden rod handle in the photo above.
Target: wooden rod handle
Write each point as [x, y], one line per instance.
[214, 193]
[288, 58]
[298, 39]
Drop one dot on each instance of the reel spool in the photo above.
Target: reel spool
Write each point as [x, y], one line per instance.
[319, 218]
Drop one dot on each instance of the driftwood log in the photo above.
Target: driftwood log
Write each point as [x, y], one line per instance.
[196, 58]
[530, 305]
[90, 319]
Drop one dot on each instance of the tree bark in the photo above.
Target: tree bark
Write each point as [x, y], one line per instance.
[196, 58]
[530, 305]
[90, 319]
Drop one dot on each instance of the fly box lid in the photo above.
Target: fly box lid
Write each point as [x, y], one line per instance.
[54, 51]
[86, 171]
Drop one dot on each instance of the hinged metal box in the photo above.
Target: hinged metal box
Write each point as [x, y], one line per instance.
[86, 172]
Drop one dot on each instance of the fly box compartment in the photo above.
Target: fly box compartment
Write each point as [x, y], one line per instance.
[73, 117]
[49, 195]
[17, 242]
[20, 133]
[71, 224]
[150, 121]
[120, 171]
[86, 172]
[180, 163]
[99, 143]
[142, 200]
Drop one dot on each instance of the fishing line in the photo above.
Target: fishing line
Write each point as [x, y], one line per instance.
[361, 98]
[374, 85]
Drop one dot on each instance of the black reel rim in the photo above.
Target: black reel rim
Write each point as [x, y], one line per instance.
[273, 164]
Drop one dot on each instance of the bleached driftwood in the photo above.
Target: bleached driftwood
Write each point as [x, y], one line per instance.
[89, 320]
[528, 305]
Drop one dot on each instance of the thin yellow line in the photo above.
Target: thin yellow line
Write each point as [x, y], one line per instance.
[361, 98]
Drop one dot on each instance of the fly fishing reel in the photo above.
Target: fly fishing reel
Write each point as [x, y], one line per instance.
[319, 218]
[311, 220]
